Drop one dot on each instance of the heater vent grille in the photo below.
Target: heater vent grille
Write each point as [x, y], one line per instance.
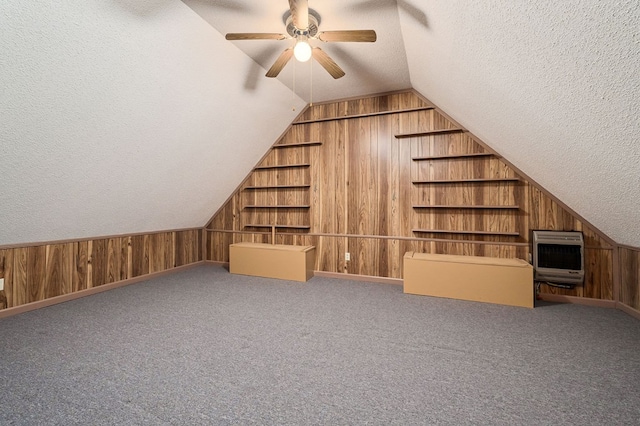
[558, 256]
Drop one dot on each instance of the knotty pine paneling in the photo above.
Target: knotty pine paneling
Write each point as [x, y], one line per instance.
[630, 277]
[364, 185]
[41, 272]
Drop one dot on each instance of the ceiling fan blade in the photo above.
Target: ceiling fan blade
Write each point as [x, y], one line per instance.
[349, 35]
[280, 63]
[327, 63]
[300, 13]
[255, 36]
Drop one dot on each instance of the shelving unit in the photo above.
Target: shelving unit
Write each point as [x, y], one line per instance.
[280, 189]
[451, 186]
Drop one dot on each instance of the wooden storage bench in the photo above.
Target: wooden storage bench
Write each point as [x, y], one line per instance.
[282, 261]
[480, 279]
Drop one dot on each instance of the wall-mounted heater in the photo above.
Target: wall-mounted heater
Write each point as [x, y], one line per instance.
[558, 257]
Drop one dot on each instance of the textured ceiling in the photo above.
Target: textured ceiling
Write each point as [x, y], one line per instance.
[370, 67]
[553, 86]
[136, 115]
[123, 116]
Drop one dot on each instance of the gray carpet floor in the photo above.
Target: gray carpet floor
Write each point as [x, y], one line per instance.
[203, 346]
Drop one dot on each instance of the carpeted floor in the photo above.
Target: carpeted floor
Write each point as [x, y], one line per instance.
[206, 347]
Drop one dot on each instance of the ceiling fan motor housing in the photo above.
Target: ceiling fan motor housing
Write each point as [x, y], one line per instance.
[309, 32]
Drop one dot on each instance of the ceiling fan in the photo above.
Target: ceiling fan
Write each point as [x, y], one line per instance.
[302, 26]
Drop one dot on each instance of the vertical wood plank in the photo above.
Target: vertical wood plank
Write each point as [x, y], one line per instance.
[36, 273]
[383, 135]
[81, 266]
[67, 268]
[4, 296]
[630, 277]
[114, 260]
[99, 262]
[20, 286]
[9, 279]
[139, 262]
[54, 275]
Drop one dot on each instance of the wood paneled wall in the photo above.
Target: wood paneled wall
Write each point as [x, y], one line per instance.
[393, 174]
[40, 272]
[630, 277]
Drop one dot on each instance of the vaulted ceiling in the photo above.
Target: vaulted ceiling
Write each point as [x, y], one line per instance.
[122, 116]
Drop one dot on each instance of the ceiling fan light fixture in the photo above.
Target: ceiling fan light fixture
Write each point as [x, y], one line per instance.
[302, 51]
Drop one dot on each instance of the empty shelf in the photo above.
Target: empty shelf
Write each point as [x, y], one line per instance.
[266, 225]
[429, 133]
[283, 166]
[257, 206]
[278, 186]
[453, 156]
[468, 180]
[466, 207]
[289, 145]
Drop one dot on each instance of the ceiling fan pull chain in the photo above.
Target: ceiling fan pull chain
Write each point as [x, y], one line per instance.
[311, 85]
[293, 87]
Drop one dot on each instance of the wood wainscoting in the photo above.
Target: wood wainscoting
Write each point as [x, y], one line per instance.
[379, 176]
[34, 273]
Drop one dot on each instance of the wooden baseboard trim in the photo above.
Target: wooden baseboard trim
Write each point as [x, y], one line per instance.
[338, 275]
[629, 310]
[216, 262]
[90, 291]
[354, 277]
[576, 300]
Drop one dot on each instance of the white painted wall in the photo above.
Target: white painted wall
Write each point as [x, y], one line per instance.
[553, 86]
[122, 116]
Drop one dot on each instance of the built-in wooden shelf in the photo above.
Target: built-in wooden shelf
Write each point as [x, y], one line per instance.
[370, 114]
[429, 133]
[453, 156]
[283, 166]
[449, 231]
[257, 206]
[466, 206]
[482, 180]
[289, 145]
[266, 225]
[277, 186]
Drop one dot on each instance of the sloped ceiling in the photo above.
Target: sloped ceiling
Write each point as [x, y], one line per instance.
[369, 67]
[136, 115]
[551, 85]
[123, 116]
